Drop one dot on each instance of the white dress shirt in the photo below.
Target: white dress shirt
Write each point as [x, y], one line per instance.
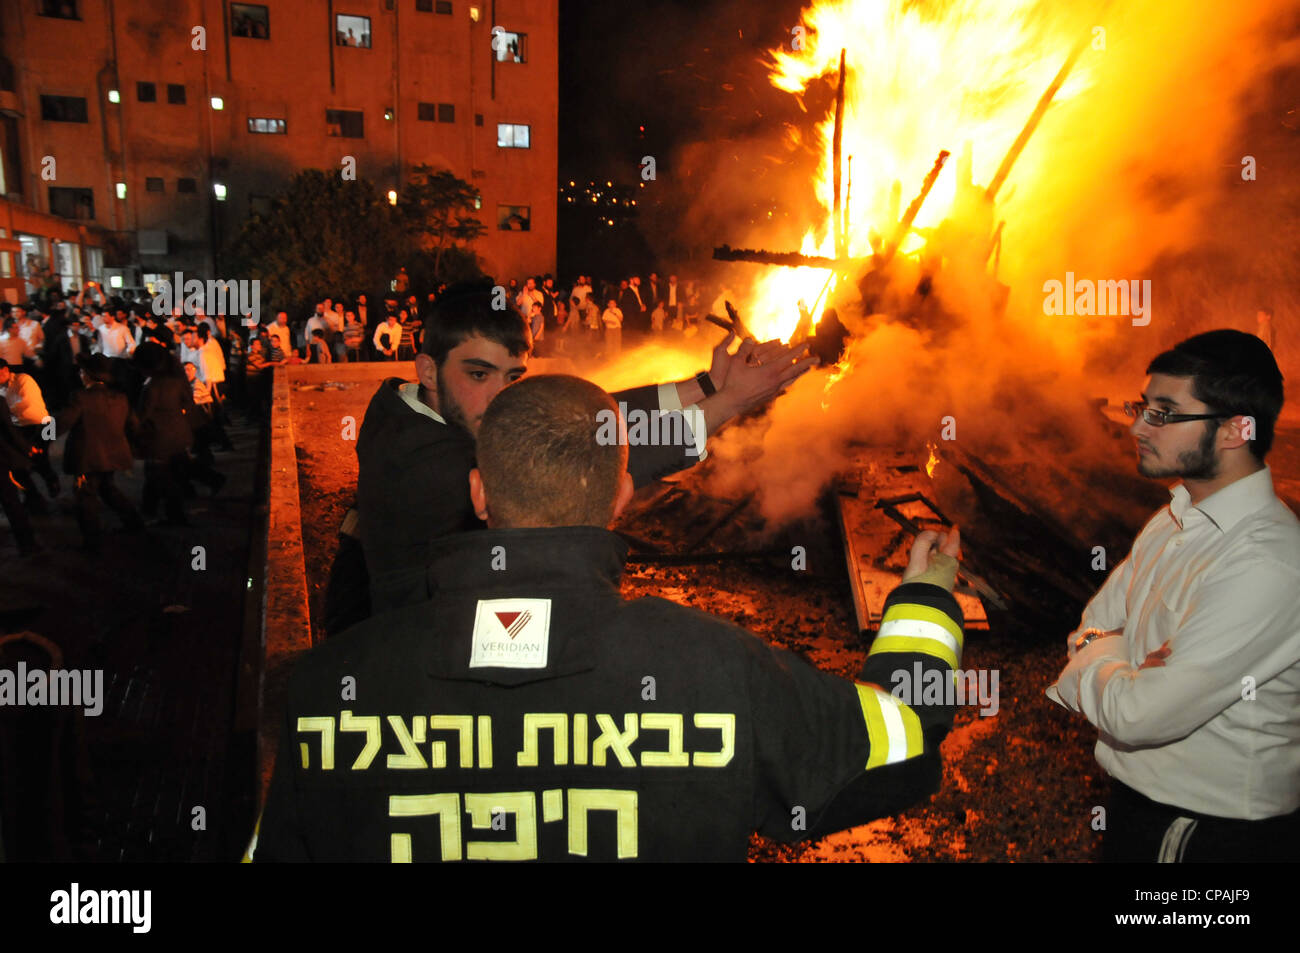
[26, 402]
[115, 341]
[1216, 729]
[194, 355]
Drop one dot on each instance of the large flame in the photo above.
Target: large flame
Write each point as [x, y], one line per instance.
[956, 75]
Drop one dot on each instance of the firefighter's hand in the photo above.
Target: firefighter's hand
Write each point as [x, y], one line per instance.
[934, 558]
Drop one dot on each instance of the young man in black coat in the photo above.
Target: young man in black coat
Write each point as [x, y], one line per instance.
[426, 427]
[96, 421]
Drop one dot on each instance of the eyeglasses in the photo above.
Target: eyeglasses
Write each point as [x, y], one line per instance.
[1158, 418]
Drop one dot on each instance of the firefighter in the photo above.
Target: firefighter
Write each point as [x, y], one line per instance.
[527, 712]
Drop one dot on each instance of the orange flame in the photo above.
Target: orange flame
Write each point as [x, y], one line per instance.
[921, 78]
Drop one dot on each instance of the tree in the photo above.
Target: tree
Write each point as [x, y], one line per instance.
[323, 234]
[437, 208]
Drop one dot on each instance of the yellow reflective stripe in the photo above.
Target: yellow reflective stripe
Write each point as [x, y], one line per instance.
[910, 610]
[893, 729]
[922, 644]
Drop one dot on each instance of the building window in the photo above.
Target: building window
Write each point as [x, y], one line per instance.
[446, 112]
[443, 7]
[513, 218]
[153, 184]
[60, 9]
[186, 185]
[352, 31]
[272, 126]
[72, 203]
[509, 47]
[427, 112]
[176, 94]
[146, 92]
[423, 6]
[251, 21]
[345, 123]
[478, 119]
[512, 136]
[63, 109]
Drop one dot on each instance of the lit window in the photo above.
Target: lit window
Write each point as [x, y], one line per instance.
[276, 127]
[250, 21]
[392, 196]
[513, 218]
[352, 31]
[218, 103]
[512, 136]
[121, 190]
[509, 47]
[114, 96]
[219, 190]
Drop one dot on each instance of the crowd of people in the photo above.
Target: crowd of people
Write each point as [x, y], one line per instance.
[59, 353]
[125, 387]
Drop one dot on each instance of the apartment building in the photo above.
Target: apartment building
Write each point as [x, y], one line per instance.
[136, 135]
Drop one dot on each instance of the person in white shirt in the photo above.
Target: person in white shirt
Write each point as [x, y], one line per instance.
[388, 338]
[114, 338]
[26, 405]
[192, 352]
[279, 329]
[1188, 658]
[14, 348]
[317, 322]
[527, 297]
[613, 320]
[30, 330]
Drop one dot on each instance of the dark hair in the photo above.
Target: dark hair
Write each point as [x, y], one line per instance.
[474, 308]
[541, 455]
[1232, 373]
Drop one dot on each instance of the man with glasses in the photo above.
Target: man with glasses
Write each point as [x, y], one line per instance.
[1188, 658]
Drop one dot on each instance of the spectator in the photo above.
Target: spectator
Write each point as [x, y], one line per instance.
[96, 421]
[28, 413]
[114, 338]
[354, 336]
[388, 338]
[14, 348]
[15, 464]
[279, 330]
[613, 320]
[320, 352]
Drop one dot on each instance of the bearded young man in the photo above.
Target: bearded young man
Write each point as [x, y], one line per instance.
[416, 444]
[1188, 657]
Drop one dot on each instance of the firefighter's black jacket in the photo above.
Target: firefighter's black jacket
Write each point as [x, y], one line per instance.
[651, 732]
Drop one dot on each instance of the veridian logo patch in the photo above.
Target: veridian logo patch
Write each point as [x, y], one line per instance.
[511, 633]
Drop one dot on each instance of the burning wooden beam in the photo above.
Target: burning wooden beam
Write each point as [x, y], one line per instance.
[837, 222]
[763, 256]
[1035, 118]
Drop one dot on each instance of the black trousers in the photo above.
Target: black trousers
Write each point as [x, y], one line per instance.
[1139, 830]
[165, 480]
[15, 511]
[41, 459]
[93, 488]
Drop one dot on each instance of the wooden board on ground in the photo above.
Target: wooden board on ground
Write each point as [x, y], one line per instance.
[876, 547]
